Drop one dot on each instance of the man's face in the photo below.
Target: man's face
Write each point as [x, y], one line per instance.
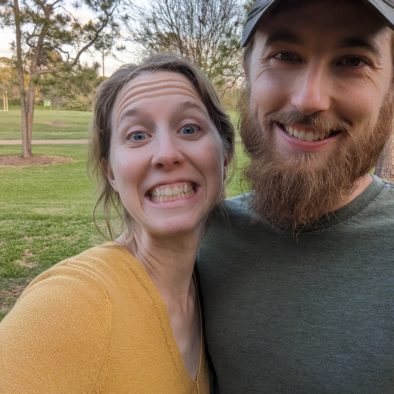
[320, 92]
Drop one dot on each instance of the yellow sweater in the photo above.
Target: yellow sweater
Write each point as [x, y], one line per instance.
[94, 323]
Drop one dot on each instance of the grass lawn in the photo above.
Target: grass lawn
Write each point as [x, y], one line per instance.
[46, 213]
[48, 124]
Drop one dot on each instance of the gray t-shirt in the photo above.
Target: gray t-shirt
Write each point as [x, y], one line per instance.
[306, 314]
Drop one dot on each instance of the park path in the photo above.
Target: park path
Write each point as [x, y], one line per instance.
[46, 142]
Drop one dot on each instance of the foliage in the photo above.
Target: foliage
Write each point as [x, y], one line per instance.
[71, 89]
[248, 5]
[6, 72]
[8, 78]
[50, 38]
[205, 31]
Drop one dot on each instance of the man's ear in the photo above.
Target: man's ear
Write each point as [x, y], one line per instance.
[109, 173]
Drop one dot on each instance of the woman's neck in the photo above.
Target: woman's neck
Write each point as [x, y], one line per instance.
[169, 261]
[170, 264]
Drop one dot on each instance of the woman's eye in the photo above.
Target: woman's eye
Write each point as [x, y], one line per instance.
[189, 129]
[137, 136]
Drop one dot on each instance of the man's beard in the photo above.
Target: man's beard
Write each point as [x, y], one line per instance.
[295, 192]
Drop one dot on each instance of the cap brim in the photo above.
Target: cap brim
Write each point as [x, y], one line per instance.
[384, 8]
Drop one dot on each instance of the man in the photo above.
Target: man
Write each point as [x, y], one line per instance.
[297, 277]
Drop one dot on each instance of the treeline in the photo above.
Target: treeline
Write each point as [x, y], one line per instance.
[67, 90]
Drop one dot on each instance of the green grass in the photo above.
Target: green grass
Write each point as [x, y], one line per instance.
[48, 124]
[45, 215]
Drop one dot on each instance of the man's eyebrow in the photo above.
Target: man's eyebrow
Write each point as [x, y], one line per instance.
[283, 35]
[361, 42]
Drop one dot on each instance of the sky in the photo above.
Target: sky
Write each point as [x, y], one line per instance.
[111, 63]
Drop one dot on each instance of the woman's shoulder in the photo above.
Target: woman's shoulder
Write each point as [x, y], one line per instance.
[78, 285]
[92, 267]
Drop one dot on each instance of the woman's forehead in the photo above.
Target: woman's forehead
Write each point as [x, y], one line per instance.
[153, 85]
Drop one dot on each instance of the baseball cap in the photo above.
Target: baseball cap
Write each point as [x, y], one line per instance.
[384, 8]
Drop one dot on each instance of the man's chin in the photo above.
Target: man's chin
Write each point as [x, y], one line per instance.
[294, 194]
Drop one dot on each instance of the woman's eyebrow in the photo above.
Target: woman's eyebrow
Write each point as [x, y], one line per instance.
[191, 105]
[129, 113]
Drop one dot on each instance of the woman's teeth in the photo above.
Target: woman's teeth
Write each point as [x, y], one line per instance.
[172, 193]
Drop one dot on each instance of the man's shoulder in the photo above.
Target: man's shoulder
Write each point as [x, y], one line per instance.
[384, 199]
[379, 213]
[238, 204]
[387, 184]
[235, 210]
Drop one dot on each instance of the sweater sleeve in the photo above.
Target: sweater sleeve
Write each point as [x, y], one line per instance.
[55, 339]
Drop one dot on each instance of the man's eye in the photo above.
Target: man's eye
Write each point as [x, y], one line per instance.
[189, 129]
[287, 57]
[137, 136]
[351, 61]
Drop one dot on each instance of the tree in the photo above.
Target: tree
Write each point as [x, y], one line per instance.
[205, 31]
[105, 46]
[72, 89]
[50, 39]
[6, 78]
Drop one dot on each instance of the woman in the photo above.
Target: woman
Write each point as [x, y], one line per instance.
[124, 317]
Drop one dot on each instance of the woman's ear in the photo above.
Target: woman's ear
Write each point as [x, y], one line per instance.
[225, 168]
[109, 173]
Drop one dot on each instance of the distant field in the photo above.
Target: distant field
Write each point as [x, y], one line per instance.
[46, 211]
[48, 124]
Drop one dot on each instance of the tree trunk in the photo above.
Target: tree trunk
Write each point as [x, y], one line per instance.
[27, 113]
[5, 100]
[25, 97]
[26, 148]
[385, 165]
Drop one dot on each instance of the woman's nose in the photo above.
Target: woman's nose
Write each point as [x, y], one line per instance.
[167, 152]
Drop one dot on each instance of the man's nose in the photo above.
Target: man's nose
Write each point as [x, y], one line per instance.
[312, 90]
[167, 151]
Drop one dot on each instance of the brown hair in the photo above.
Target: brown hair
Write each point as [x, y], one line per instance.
[101, 127]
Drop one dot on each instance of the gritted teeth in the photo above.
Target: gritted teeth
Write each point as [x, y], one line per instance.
[172, 192]
[308, 135]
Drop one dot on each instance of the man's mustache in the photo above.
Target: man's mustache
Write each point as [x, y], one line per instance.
[314, 121]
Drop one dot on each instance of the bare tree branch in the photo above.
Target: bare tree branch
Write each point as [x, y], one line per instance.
[205, 31]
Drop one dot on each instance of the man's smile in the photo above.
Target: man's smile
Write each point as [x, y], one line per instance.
[305, 134]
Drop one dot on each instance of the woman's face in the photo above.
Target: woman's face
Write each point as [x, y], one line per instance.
[166, 157]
